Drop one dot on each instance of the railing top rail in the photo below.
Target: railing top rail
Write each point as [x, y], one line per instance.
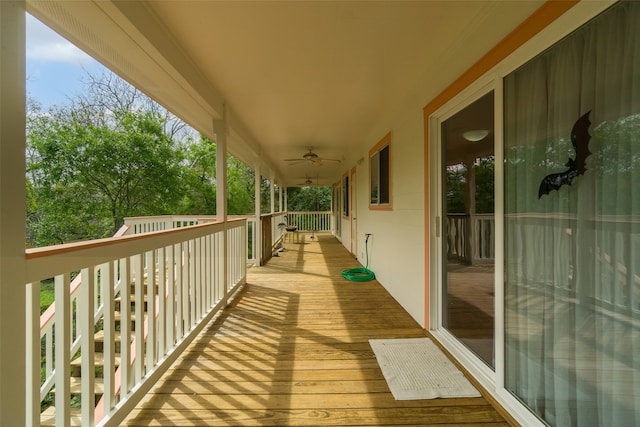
[207, 218]
[152, 217]
[272, 214]
[33, 253]
[630, 219]
[481, 215]
[122, 231]
[61, 258]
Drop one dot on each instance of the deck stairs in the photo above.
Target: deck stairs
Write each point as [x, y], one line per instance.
[47, 418]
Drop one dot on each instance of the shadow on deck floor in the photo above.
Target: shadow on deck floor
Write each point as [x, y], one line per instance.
[292, 350]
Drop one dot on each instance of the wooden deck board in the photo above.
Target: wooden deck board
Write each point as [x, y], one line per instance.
[292, 350]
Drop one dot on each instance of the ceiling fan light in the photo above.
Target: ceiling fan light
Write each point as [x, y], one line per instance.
[475, 135]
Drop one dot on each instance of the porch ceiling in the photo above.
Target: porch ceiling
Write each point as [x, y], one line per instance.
[328, 74]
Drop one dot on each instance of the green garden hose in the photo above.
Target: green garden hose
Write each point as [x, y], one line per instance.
[360, 274]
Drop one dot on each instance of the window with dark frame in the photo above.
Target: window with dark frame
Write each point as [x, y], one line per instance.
[380, 174]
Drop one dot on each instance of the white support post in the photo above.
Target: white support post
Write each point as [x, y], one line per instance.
[470, 204]
[272, 202]
[12, 215]
[272, 192]
[33, 354]
[220, 129]
[286, 199]
[258, 230]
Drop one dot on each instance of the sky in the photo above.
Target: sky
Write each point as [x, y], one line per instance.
[55, 67]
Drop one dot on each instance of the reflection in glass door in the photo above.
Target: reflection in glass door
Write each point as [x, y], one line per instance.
[469, 243]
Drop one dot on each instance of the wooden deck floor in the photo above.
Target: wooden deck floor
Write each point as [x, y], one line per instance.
[292, 350]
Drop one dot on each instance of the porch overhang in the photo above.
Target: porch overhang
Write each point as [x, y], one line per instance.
[332, 75]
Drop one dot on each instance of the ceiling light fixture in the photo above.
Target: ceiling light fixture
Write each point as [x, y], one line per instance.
[475, 135]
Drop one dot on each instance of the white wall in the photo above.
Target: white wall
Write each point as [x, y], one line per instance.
[396, 247]
[345, 232]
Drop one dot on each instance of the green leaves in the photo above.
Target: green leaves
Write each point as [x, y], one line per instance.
[85, 178]
[113, 153]
[305, 199]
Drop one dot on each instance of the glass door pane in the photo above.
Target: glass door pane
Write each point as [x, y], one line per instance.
[469, 243]
[572, 226]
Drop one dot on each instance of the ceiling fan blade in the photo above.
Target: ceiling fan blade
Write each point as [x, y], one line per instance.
[311, 158]
[330, 160]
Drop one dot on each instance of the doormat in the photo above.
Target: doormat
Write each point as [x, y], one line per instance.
[415, 368]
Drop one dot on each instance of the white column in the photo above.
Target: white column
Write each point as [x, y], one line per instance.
[286, 198]
[12, 214]
[258, 242]
[272, 192]
[220, 129]
[281, 197]
[470, 206]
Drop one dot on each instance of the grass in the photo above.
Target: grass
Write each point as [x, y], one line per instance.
[47, 294]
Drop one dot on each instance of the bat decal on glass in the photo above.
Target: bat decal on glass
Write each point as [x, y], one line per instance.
[580, 139]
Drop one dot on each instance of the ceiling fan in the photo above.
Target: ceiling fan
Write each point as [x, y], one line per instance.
[308, 182]
[311, 157]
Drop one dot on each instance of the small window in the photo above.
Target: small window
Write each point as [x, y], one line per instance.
[380, 175]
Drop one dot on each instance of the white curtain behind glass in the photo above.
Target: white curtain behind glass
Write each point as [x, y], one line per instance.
[573, 255]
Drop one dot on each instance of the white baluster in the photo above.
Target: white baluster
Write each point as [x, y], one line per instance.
[85, 313]
[62, 349]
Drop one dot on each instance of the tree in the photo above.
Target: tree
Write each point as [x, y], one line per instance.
[305, 199]
[199, 178]
[112, 153]
[484, 170]
[106, 93]
[241, 187]
[455, 188]
[200, 182]
[85, 177]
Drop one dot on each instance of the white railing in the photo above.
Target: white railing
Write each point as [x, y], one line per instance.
[471, 238]
[457, 236]
[186, 276]
[252, 239]
[47, 328]
[484, 231]
[310, 221]
[277, 229]
[565, 252]
[305, 221]
[147, 224]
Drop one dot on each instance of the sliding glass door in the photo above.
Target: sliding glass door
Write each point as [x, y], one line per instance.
[567, 260]
[469, 239]
[572, 226]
